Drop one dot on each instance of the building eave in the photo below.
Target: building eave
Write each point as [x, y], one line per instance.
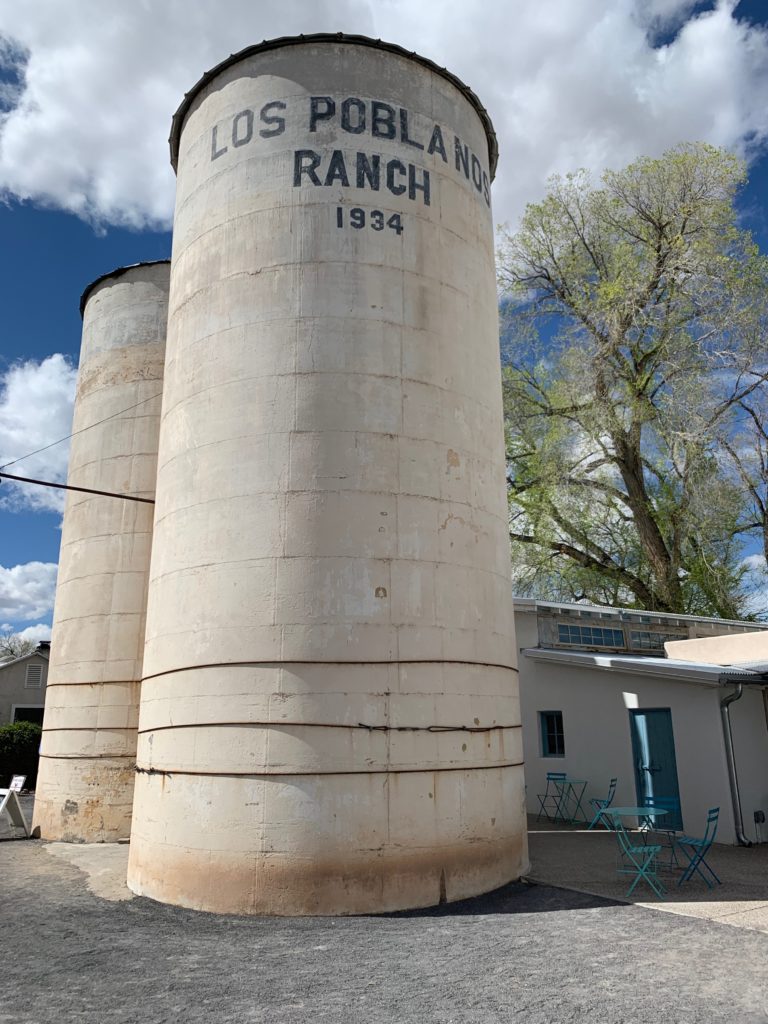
[696, 673]
[24, 657]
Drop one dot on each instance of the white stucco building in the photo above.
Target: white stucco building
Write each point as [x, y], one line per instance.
[599, 700]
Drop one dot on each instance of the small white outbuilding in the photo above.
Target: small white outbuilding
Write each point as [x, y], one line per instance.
[599, 700]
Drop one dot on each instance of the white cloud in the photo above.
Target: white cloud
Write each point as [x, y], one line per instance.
[27, 591]
[567, 84]
[40, 631]
[755, 563]
[36, 408]
[90, 131]
[756, 582]
[664, 15]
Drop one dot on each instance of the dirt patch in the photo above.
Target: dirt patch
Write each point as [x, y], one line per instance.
[103, 864]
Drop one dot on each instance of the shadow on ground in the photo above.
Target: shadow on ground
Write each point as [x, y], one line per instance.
[515, 898]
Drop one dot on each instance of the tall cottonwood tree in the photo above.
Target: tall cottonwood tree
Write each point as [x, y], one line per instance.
[638, 316]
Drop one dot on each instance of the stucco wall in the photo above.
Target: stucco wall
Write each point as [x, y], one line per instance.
[598, 744]
[750, 744]
[721, 650]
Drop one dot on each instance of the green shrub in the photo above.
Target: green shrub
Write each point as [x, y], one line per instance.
[19, 747]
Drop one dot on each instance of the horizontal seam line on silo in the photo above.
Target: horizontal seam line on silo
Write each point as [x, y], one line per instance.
[335, 495]
[134, 535]
[466, 296]
[204, 339]
[388, 206]
[97, 575]
[294, 374]
[287, 663]
[355, 559]
[376, 771]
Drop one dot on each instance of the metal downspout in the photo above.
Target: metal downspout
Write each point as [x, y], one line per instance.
[733, 778]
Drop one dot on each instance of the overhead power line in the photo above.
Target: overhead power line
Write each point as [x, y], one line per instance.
[81, 431]
[70, 487]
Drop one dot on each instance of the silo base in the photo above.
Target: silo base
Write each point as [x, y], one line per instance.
[426, 841]
[85, 800]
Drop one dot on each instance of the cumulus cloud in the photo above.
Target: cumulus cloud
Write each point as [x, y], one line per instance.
[36, 408]
[89, 131]
[568, 85]
[26, 592]
[40, 631]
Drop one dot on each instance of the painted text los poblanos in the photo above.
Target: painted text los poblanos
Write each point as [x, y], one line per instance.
[360, 170]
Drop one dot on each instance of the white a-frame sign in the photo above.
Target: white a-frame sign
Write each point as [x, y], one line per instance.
[9, 802]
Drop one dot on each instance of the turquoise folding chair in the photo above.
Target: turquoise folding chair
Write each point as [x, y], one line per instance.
[697, 849]
[599, 804]
[552, 797]
[664, 827]
[639, 861]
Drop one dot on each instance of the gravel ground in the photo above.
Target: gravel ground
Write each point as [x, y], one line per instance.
[524, 953]
[9, 831]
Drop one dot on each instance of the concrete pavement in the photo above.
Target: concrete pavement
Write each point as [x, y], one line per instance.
[586, 862]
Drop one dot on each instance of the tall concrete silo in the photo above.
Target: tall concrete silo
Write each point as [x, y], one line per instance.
[329, 715]
[88, 753]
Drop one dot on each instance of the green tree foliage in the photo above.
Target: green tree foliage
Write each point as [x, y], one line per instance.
[638, 311]
[19, 746]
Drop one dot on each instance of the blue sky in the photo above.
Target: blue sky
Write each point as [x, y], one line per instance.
[46, 259]
[85, 184]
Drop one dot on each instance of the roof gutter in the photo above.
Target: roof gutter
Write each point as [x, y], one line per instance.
[730, 759]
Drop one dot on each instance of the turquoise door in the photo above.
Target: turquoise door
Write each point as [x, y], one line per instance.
[653, 752]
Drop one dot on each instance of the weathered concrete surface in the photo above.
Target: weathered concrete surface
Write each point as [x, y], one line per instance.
[329, 707]
[530, 954]
[88, 752]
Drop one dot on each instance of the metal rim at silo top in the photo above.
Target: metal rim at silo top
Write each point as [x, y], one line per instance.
[117, 272]
[331, 37]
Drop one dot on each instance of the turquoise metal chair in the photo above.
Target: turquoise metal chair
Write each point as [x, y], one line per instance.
[697, 849]
[640, 861]
[599, 804]
[552, 798]
[662, 828]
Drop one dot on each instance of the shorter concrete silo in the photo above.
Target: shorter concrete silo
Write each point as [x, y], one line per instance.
[88, 752]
